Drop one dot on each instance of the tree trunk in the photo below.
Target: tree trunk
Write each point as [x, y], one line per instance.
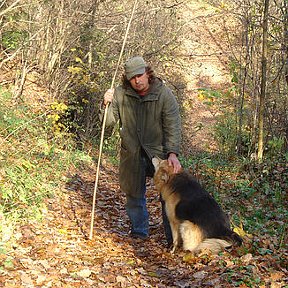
[263, 82]
[286, 40]
[245, 41]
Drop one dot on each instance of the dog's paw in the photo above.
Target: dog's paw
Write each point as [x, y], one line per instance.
[173, 250]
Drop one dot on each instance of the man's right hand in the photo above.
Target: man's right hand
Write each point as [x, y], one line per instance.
[108, 96]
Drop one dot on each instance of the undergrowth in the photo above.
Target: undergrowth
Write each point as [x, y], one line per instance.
[33, 162]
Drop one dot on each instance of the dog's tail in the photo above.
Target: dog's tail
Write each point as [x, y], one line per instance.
[215, 245]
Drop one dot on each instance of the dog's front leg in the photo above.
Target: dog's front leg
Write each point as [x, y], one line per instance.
[175, 235]
[174, 248]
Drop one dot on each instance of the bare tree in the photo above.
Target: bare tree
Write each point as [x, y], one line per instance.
[263, 81]
[261, 96]
[285, 36]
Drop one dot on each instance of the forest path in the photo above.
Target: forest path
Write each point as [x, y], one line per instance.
[58, 253]
[205, 64]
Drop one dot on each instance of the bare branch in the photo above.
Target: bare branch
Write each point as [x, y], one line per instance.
[12, 6]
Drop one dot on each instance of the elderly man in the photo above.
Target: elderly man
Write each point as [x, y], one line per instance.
[149, 126]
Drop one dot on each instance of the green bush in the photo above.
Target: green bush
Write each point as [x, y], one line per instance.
[225, 133]
[13, 39]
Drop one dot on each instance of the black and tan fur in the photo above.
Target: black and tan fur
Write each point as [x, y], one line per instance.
[195, 218]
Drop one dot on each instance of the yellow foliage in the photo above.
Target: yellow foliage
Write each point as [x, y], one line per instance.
[223, 5]
[85, 101]
[62, 107]
[74, 70]
[54, 117]
[63, 231]
[240, 231]
[77, 59]
[58, 110]
[201, 95]
[188, 257]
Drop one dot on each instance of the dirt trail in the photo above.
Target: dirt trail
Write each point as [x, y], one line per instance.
[58, 253]
[204, 59]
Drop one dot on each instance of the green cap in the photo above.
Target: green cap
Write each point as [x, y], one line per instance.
[134, 66]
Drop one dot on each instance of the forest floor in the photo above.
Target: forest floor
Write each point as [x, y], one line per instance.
[57, 252]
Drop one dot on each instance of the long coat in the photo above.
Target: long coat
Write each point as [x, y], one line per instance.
[151, 122]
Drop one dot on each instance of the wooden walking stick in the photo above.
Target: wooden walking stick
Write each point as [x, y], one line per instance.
[104, 123]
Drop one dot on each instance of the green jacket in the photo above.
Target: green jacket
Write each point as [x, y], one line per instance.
[151, 122]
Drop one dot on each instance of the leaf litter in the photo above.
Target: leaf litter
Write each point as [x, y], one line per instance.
[57, 252]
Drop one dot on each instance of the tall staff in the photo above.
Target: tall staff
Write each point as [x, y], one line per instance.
[104, 123]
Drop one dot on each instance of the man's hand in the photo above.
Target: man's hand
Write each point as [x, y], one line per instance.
[108, 96]
[173, 161]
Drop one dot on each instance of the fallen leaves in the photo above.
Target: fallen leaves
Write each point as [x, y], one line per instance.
[58, 253]
[85, 273]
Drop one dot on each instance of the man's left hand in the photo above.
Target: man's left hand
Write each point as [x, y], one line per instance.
[173, 161]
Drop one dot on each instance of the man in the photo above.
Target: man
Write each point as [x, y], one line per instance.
[149, 126]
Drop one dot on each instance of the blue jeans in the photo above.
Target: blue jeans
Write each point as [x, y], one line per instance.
[136, 205]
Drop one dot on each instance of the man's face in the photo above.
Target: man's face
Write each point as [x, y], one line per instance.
[140, 83]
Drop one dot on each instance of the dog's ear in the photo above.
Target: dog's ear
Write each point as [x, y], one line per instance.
[156, 162]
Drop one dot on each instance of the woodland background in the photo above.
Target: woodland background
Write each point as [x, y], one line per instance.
[227, 63]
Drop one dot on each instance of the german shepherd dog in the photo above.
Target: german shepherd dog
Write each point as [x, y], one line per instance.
[195, 218]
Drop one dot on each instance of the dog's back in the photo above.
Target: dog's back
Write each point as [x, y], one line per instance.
[197, 206]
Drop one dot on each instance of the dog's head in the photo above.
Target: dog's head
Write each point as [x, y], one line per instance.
[163, 172]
